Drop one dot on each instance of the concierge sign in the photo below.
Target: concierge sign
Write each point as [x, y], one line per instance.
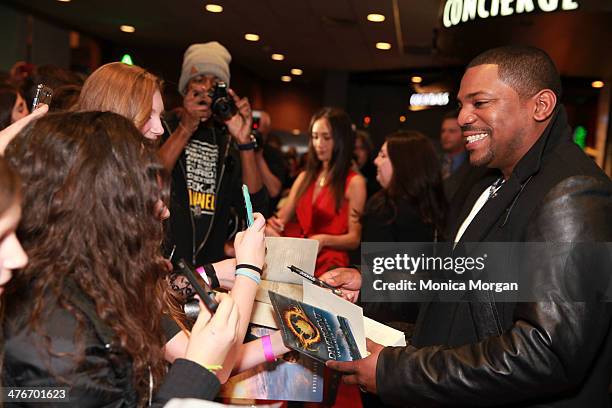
[460, 11]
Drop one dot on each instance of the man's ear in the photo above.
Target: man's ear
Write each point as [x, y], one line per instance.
[544, 104]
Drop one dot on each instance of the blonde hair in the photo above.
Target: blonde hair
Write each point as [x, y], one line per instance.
[120, 88]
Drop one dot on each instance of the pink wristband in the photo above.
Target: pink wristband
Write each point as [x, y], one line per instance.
[267, 346]
[200, 270]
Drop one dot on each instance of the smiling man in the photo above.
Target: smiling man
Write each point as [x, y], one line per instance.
[556, 352]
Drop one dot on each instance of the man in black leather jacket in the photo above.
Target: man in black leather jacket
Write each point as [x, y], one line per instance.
[553, 353]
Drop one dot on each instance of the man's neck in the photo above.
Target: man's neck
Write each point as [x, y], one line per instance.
[528, 143]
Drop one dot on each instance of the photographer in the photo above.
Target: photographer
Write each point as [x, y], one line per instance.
[210, 154]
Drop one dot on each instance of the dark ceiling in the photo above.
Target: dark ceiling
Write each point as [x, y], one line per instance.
[317, 35]
[312, 34]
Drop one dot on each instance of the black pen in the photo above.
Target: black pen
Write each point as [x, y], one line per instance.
[314, 280]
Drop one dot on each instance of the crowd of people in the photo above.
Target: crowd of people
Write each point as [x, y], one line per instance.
[102, 191]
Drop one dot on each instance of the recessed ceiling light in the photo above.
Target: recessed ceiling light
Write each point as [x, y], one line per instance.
[402, 118]
[64, 1]
[251, 37]
[286, 78]
[376, 18]
[278, 57]
[597, 84]
[416, 79]
[214, 8]
[127, 28]
[296, 71]
[383, 45]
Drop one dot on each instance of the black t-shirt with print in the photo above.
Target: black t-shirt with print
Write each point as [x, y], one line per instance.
[201, 162]
[200, 209]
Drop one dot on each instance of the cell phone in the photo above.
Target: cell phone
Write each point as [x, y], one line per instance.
[248, 205]
[202, 289]
[44, 94]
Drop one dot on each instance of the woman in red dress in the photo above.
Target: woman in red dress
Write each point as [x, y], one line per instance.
[327, 200]
[328, 196]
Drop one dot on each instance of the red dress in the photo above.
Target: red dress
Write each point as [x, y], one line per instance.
[320, 217]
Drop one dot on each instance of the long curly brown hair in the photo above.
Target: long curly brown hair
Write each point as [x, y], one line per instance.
[9, 186]
[89, 192]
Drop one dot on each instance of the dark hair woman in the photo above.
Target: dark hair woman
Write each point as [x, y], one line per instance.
[411, 206]
[85, 312]
[327, 197]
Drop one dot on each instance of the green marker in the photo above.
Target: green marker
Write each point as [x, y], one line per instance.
[247, 203]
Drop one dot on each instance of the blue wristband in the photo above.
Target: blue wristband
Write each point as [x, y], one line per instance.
[247, 273]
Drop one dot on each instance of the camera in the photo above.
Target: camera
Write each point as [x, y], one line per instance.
[222, 104]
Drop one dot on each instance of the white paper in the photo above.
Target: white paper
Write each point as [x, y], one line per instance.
[283, 251]
[263, 315]
[289, 290]
[383, 334]
[324, 299]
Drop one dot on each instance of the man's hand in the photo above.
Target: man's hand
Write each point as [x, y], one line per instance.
[196, 104]
[240, 124]
[361, 372]
[346, 279]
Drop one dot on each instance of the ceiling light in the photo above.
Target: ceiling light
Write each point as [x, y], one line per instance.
[402, 118]
[286, 78]
[214, 8]
[127, 28]
[278, 57]
[251, 37]
[376, 18]
[64, 1]
[597, 84]
[416, 79]
[296, 71]
[383, 45]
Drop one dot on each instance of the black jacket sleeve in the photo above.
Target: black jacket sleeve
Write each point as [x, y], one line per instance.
[187, 379]
[552, 346]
